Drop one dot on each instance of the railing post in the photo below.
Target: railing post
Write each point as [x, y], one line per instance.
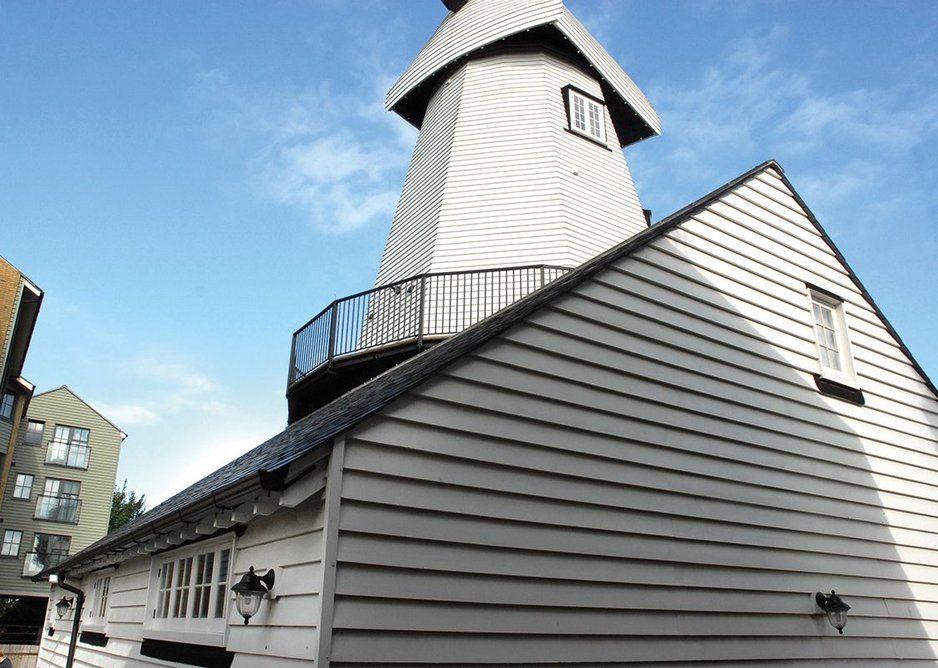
[291, 373]
[423, 304]
[542, 276]
[333, 323]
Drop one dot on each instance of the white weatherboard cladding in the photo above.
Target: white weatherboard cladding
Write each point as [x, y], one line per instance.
[516, 187]
[284, 633]
[644, 473]
[409, 248]
[484, 22]
[479, 23]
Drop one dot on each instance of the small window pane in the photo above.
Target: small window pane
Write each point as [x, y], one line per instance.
[6, 405]
[11, 543]
[587, 116]
[34, 432]
[221, 589]
[181, 592]
[23, 487]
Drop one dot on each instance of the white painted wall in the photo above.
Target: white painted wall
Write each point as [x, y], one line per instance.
[644, 473]
[284, 633]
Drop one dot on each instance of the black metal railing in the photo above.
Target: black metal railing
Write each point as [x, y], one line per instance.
[58, 508]
[424, 306]
[39, 561]
[68, 453]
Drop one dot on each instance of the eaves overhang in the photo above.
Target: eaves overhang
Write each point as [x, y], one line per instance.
[205, 509]
[29, 303]
[475, 29]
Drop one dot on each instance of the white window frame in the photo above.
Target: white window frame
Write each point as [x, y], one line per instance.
[170, 613]
[23, 488]
[586, 115]
[830, 337]
[12, 538]
[99, 602]
[69, 447]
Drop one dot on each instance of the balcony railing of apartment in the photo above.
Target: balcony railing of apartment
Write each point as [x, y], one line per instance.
[416, 310]
[63, 453]
[39, 561]
[57, 508]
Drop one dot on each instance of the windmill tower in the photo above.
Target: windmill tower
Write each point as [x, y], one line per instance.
[517, 177]
[522, 118]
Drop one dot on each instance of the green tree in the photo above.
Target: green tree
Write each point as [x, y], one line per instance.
[126, 507]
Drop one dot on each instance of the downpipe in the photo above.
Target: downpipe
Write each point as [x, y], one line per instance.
[79, 604]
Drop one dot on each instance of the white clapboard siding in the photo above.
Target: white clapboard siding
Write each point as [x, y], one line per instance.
[414, 224]
[497, 179]
[643, 472]
[284, 633]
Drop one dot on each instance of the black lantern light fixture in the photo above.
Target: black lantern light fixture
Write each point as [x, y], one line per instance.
[251, 591]
[63, 606]
[835, 608]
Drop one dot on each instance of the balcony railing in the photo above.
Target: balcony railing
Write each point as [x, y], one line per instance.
[428, 306]
[39, 561]
[73, 455]
[58, 508]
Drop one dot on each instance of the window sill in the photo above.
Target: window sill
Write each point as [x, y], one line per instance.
[590, 138]
[182, 636]
[833, 388]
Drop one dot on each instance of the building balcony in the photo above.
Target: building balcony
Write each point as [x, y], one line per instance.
[70, 454]
[58, 508]
[37, 562]
[358, 337]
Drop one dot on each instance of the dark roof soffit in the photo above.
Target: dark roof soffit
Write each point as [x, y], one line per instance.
[630, 127]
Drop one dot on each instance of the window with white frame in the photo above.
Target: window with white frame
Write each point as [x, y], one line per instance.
[7, 401]
[48, 550]
[23, 488]
[99, 593]
[188, 599]
[69, 447]
[586, 115]
[34, 430]
[830, 335]
[59, 501]
[11, 543]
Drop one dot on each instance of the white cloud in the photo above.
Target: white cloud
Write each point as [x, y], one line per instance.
[127, 415]
[317, 150]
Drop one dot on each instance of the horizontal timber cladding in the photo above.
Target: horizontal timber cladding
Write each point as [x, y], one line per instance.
[643, 472]
[516, 172]
[497, 179]
[414, 224]
[89, 520]
[284, 633]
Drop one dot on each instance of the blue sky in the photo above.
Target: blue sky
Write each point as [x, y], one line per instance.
[189, 182]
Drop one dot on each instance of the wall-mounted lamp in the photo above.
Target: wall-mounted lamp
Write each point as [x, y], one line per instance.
[63, 606]
[251, 591]
[835, 608]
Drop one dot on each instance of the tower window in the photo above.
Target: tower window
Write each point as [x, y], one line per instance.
[586, 115]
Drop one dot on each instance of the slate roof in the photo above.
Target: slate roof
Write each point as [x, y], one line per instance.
[319, 428]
